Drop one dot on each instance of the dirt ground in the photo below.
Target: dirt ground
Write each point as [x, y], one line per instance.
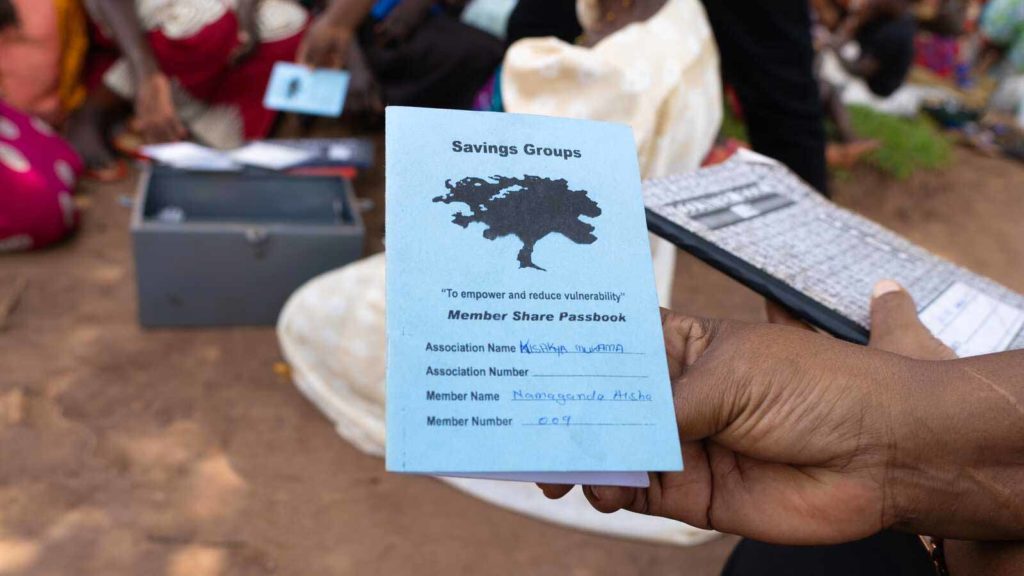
[179, 453]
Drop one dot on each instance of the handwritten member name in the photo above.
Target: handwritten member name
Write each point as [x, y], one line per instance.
[562, 398]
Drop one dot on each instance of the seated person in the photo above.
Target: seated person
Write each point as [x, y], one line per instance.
[847, 149]
[38, 170]
[885, 31]
[403, 52]
[198, 70]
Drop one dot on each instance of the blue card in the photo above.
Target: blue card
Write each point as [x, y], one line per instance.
[524, 335]
[299, 89]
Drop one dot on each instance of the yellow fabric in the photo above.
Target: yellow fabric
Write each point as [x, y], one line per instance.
[41, 62]
[74, 34]
[660, 76]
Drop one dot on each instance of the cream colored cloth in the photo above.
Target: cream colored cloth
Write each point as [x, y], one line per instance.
[660, 76]
[332, 334]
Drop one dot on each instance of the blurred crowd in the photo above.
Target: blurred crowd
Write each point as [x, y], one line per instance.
[83, 83]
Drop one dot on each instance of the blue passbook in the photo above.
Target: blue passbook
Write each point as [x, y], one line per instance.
[302, 90]
[524, 335]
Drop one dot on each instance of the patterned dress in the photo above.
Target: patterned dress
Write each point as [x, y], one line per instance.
[38, 173]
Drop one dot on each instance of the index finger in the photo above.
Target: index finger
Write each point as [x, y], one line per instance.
[555, 491]
[782, 317]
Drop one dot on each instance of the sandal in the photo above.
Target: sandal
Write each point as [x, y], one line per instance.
[111, 173]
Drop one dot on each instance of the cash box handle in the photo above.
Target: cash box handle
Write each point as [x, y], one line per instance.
[259, 241]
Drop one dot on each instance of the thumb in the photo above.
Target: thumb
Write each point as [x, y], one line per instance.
[896, 327]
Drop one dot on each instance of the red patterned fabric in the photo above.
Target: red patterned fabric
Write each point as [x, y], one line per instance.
[201, 64]
[38, 174]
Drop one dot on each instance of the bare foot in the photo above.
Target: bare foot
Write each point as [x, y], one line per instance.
[849, 154]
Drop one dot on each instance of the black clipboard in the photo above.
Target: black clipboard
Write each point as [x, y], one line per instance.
[793, 300]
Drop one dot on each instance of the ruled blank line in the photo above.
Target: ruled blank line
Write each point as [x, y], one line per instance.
[624, 377]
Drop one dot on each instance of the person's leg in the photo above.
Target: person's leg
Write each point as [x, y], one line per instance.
[768, 56]
[837, 112]
[87, 127]
[849, 150]
[884, 553]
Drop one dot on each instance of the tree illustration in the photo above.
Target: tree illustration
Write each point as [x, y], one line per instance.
[529, 208]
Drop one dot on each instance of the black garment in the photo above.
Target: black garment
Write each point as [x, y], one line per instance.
[8, 15]
[883, 554]
[540, 18]
[891, 44]
[768, 57]
[950, 18]
[442, 65]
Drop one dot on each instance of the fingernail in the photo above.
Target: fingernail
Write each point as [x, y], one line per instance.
[886, 287]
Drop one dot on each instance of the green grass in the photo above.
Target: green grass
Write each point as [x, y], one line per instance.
[908, 145]
[733, 127]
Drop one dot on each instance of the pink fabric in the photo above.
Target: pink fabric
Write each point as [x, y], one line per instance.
[30, 60]
[38, 174]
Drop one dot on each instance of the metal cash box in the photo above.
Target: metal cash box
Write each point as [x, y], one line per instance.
[228, 249]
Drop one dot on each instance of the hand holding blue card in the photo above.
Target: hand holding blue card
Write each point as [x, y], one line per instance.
[302, 90]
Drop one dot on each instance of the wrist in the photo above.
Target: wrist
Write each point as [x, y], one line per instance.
[990, 558]
[343, 16]
[956, 462]
[145, 68]
[338, 29]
